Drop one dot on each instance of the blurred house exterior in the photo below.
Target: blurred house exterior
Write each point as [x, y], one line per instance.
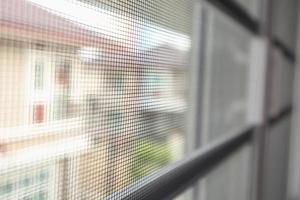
[53, 67]
[54, 128]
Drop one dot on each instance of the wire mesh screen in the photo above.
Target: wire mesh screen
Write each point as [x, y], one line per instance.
[93, 94]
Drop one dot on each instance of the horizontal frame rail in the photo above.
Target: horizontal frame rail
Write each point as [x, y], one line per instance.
[237, 13]
[174, 179]
[281, 115]
[177, 177]
[289, 54]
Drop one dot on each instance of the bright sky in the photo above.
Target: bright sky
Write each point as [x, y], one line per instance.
[115, 26]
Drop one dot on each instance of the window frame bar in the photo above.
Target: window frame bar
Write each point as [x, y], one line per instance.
[174, 179]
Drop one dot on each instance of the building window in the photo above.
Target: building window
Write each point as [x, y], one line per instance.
[118, 81]
[39, 75]
[115, 121]
[38, 113]
[6, 188]
[28, 186]
[61, 98]
[62, 73]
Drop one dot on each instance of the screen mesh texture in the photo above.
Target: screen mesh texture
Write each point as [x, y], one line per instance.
[93, 94]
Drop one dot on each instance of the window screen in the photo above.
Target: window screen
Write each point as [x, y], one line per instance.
[93, 94]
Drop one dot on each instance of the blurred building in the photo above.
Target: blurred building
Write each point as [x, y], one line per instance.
[65, 115]
[54, 127]
[99, 98]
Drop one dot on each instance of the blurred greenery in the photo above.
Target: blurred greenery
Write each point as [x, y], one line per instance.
[148, 156]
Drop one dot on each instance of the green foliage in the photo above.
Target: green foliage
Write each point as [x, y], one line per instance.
[149, 155]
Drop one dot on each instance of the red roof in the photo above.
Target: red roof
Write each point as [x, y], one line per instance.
[29, 21]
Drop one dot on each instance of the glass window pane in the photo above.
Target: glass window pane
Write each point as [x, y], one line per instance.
[226, 77]
[276, 160]
[281, 83]
[284, 22]
[232, 179]
[226, 98]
